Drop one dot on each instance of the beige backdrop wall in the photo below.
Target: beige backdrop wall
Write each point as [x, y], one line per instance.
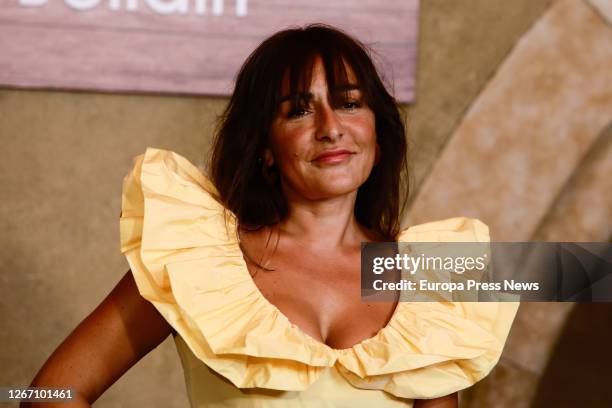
[65, 154]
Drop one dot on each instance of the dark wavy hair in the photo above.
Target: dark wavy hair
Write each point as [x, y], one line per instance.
[243, 129]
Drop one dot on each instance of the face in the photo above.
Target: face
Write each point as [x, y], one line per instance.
[326, 147]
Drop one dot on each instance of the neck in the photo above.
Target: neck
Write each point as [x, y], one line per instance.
[329, 223]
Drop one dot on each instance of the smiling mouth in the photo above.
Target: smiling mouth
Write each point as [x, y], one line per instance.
[333, 157]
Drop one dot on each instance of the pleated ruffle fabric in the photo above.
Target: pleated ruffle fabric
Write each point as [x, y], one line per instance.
[183, 250]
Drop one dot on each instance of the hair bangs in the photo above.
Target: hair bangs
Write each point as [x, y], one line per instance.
[297, 67]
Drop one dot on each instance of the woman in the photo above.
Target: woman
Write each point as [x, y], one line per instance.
[257, 272]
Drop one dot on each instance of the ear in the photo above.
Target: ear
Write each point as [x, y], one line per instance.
[377, 155]
[268, 157]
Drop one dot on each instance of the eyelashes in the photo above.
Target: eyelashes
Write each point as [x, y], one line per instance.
[303, 110]
[297, 113]
[352, 105]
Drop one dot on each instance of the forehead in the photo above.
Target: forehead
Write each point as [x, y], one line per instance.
[313, 73]
[318, 72]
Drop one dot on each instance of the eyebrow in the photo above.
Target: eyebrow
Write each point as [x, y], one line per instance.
[306, 96]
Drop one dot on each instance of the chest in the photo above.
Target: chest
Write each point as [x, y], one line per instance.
[320, 293]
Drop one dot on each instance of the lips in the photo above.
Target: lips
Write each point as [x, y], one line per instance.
[333, 156]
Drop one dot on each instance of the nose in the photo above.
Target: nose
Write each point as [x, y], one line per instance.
[329, 126]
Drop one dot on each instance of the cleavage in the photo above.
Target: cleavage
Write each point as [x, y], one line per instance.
[322, 301]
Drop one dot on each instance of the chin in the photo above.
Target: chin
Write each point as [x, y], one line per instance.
[337, 188]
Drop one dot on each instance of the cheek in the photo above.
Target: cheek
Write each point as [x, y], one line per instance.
[288, 148]
[365, 136]
[363, 125]
[366, 139]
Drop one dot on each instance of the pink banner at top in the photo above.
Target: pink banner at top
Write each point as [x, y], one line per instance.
[182, 46]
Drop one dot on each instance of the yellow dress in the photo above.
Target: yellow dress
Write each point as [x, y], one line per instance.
[239, 350]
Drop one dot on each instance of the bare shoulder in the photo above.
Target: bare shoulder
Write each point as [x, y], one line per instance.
[122, 329]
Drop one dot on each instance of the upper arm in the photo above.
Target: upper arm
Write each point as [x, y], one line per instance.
[448, 401]
[114, 337]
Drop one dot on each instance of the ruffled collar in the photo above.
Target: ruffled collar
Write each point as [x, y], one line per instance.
[190, 266]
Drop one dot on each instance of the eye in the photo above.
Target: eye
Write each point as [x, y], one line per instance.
[351, 105]
[297, 113]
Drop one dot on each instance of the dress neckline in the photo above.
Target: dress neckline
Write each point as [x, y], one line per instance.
[275, 310]
[173, 233]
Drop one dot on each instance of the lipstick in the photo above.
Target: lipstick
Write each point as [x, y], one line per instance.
[333, 156]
